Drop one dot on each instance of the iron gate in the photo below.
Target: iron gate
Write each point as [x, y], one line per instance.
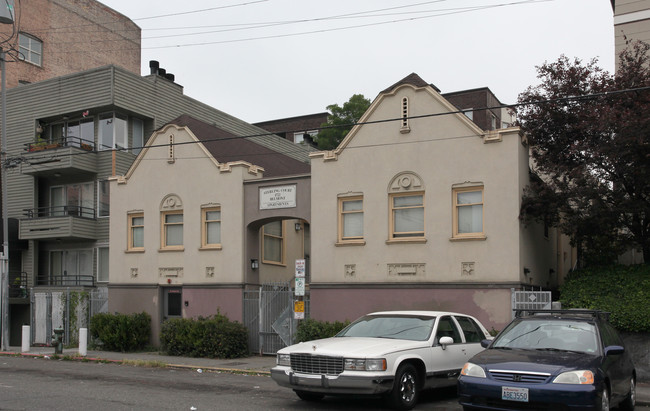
[530, 300]
[269, 317]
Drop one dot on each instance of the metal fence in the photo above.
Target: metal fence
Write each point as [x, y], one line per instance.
[67, 309]
[269, 317]
[530, 300]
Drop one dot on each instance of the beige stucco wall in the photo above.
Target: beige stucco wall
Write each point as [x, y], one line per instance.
[443, 151]
[194, 178]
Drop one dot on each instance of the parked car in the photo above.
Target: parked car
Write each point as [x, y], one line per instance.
[393, 353]
[554, 359]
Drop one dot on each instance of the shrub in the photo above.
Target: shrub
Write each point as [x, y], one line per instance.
[121, 332]
[623, 291]
[313, 329]
[212, 337]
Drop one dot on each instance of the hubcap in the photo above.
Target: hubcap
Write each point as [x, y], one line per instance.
[407, 387]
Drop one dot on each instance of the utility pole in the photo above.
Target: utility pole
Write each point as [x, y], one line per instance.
[4, 264]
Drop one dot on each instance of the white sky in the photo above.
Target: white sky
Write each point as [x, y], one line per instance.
[313, 59]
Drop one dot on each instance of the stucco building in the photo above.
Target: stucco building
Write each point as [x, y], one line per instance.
[423, 213]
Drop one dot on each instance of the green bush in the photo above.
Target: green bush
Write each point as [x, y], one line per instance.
[624, 291]
[121, 332]
[313, 329]
[212, 337]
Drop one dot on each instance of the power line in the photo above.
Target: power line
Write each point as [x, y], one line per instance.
[13, 162]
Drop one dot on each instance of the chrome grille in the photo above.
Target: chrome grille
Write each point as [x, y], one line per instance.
[316, 364]
[512, 376]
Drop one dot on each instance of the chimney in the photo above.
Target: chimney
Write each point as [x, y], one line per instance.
[162, 72]
[170, 77]
[153, 66]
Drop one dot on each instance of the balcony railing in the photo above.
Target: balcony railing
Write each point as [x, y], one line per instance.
[18, 287]
[65, 280]
[61, 142]
[59, 211]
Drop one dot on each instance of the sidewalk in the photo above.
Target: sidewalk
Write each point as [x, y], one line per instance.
[253, 364]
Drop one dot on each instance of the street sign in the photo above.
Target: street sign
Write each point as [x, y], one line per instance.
[300, 268]
[300, 286]
[299, 310]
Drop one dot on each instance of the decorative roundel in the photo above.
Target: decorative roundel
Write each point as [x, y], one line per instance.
[405, 181]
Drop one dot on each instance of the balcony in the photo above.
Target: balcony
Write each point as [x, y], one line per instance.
[18, 287]
[67, 155]
[50, 280]
[61, 222]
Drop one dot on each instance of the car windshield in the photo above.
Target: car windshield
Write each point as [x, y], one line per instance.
[549, 335]
[402, 327]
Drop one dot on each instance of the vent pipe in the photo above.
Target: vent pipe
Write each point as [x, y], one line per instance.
[153, 66]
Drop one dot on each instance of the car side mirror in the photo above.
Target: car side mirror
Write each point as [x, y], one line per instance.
[614, 350]
[445, 341]
[485, 343]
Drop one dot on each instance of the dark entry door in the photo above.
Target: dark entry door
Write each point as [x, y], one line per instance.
[172, 303]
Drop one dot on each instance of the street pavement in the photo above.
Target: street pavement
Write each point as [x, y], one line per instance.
[256, 364]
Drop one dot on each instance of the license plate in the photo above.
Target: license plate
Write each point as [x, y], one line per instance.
[514, 394]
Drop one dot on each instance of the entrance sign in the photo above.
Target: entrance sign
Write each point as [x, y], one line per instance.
[278, 197]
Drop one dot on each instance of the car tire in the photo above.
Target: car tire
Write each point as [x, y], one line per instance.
[406, 388]
[630, 400]
[309, 396]
[604, 400]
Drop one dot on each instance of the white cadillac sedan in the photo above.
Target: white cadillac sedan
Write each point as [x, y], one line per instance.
[392, 353]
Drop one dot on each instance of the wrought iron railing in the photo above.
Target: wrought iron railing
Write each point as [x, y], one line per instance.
[65, 280]
[61, 142]
[18, 286]
[59, 211]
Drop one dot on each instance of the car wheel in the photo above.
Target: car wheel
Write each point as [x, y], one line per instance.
[604, 400]
[406, 388]
[630, 401]
[309, 396]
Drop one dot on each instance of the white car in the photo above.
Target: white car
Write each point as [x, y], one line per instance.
[393, 353]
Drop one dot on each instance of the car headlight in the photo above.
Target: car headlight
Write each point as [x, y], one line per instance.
[283, 359]
[359, 364]
[575, 377]
[472, 370]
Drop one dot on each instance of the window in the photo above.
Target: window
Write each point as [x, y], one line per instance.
[211, 232]
[112, 131]
[172, 227]
[138, 135]
[77, 133]
[31, 49]
[72, 200]
[351, 220]
[299, 138]
[102, 264]
[407, 215]
[71, 267]
[471, 330]
[469, 113]
[447, 328]
[103, 198]
[136, 232]
[273, 243]
[468, 212]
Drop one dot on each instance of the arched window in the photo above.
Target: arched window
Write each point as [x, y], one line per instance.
[406, 207]
[171, 223]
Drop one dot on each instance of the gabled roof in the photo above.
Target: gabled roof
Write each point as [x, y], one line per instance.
[412, 79]
[226, 147]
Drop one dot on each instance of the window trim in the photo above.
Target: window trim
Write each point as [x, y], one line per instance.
[204, 228]
[456, 236]
[163, 231]
[353, 240]
[129, 242]
[282, 238]
[391, 217]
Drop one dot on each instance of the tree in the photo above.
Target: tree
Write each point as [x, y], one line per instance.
[341, 120]
[589, 133]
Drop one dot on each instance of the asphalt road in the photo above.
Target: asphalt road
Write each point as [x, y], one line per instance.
[42, 384]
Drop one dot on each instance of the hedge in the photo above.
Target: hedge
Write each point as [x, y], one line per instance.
[211, 337]
[121, 332]
[313, 329]
[624, 291]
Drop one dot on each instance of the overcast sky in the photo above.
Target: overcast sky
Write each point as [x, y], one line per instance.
[267, 59]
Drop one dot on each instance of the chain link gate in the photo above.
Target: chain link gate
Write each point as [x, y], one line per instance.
[268, 316]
